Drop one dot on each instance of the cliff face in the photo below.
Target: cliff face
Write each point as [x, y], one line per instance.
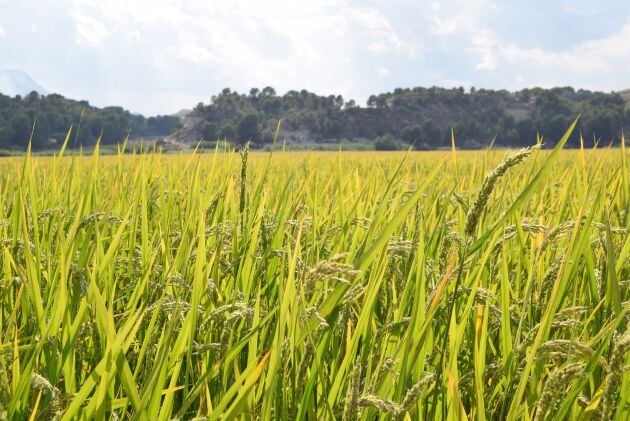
[189, 133]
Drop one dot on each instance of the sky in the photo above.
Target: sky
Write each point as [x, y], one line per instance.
[159, 56]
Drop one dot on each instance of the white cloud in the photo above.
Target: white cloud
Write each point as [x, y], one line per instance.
[316, 45]
[581, 11]
[90, 31]
[458, 16]
[383, 37]
[190, 50]
[592, 56]
[484, 45]
[464, 26]
[591, 63]
[136, 12]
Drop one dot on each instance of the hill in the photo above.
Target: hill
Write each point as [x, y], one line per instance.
[423, 116]
[16, 82]
[53, 115]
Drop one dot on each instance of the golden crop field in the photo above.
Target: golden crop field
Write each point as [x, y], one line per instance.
[314, 285]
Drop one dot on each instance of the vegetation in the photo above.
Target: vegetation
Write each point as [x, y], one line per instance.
[48, 118]
[422, 116]
[386, 143]
[430, 285]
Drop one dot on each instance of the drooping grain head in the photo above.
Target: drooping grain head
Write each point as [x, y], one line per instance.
[620, 347]
[479, 204]
[556, 387]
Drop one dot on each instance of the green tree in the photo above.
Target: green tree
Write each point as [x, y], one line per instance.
[210, 131]
[21, 126]
[247, 128]
[386, 143]
[412, 133]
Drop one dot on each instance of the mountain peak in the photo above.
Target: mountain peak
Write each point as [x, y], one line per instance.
[16, 82]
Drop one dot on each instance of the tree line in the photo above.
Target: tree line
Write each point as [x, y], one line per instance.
[422, 116]
[49, 117]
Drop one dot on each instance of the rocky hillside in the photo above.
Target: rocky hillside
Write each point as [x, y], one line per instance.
[423, 116]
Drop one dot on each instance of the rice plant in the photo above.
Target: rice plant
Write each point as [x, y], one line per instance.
[299, 285]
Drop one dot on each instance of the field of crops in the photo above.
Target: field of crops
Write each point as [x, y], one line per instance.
[428, 285]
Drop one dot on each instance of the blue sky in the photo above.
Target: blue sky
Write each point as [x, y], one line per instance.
[158, 56]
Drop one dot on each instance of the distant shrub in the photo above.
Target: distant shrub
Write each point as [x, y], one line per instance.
[386, 143]
[6, 152]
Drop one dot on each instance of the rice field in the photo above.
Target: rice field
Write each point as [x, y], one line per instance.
[298, 285]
